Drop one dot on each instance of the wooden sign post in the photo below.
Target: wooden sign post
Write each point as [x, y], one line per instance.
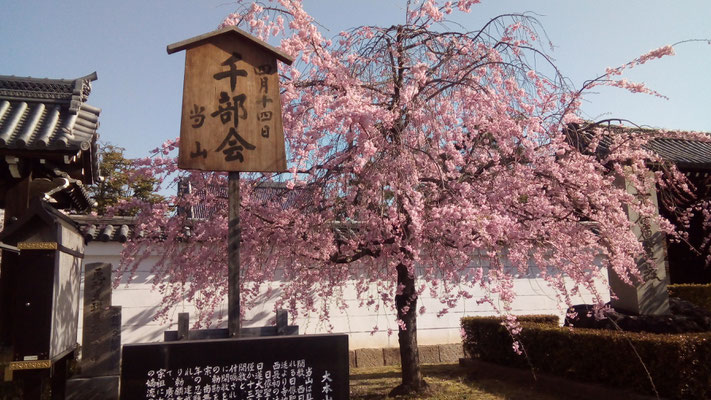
[231, 121]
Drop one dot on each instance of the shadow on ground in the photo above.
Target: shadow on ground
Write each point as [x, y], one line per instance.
[447, 381]
[484, 381]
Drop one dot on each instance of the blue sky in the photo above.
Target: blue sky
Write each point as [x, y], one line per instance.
[140, 87]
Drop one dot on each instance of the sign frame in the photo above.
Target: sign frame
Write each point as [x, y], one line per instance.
[231, 113]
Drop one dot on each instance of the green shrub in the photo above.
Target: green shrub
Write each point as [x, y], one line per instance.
[545, 319]
[678, 364]
[694, 293]
[489, 330]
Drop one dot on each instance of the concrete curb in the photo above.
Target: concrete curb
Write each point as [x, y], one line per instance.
[429, 354]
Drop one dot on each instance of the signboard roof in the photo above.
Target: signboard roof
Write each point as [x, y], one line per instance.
[229, 30]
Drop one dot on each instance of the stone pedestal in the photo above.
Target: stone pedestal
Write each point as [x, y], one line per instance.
[100, 387]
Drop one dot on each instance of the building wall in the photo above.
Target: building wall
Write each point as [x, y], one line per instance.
[140, 304]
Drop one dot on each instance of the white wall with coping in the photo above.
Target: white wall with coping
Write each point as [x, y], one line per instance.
[140, 304]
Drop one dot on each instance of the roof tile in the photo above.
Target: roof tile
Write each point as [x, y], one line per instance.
[47, 114]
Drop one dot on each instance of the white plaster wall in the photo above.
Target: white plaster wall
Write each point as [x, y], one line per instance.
[140, 303]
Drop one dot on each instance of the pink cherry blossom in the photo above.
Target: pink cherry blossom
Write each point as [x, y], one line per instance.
[414, 156]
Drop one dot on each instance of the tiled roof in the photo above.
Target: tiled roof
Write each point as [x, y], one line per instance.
[199, 211]
[104, 229]
[120, 229]
[47, 114]
[76, 196]
[264, 192]
[686, 154]
[279, 193]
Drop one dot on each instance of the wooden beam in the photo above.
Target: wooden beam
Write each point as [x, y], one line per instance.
[17, 199]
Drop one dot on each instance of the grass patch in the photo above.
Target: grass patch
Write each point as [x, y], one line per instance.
[447, 382]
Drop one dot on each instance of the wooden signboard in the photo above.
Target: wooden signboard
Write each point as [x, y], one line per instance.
[231, 118]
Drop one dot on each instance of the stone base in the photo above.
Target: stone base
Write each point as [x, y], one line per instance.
[391, 355]
[429, 354]
[450, 353]
[101, 387]
[685, 317]
[366, 358]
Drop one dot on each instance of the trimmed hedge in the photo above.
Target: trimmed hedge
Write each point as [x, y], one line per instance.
[535, 319]
[699, 294]
[678, 364]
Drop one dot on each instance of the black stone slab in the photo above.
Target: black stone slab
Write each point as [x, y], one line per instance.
[306, 367]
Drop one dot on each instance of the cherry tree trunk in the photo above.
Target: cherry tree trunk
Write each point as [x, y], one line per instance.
[406, 303]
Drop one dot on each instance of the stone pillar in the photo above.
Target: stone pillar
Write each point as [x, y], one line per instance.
[183, 326]
[101, 341]
[282, 321]
[650, 297]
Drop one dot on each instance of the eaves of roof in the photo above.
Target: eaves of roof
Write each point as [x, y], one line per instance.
[38, 208]
[47, 114]
[684, 153]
